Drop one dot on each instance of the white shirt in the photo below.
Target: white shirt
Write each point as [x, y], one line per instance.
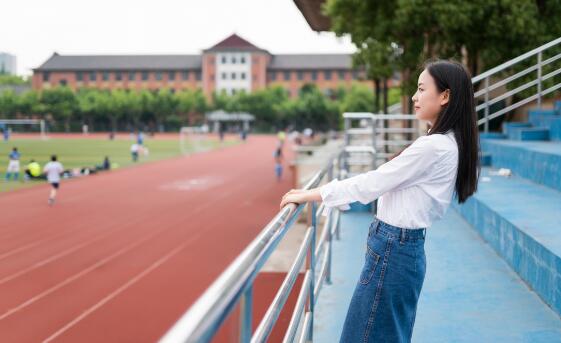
[413, 189]
[53, 170]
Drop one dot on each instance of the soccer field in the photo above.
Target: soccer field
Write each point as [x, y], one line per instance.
[88, 152]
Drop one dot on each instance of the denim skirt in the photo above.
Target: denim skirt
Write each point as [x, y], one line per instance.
[384, 303]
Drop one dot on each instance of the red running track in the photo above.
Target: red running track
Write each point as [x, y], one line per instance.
[122, 255]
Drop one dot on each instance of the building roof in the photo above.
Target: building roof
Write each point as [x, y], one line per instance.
[311, 61]
[311, 10]
[120, 62]
[234, 43]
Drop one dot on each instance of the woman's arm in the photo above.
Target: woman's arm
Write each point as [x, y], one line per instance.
[299, 196]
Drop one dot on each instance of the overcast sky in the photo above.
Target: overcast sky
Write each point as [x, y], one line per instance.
[33, 29]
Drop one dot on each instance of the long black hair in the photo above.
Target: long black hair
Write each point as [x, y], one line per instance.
[459, 116]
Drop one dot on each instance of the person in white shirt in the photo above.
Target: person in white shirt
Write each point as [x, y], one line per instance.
[53, 170]
[134, 151]
[413, 190]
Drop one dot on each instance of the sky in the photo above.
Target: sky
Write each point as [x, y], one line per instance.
[33, 29]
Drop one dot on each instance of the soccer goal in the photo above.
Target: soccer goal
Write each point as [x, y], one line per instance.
[7, 124]
[192, 139]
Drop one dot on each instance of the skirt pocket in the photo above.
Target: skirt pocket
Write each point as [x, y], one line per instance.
[370, 263]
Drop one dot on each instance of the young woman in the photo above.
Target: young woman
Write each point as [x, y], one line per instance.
[413, 189]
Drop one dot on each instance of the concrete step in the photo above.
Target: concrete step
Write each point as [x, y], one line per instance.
[536, 161]
[521, 221]
[550, 119]
[469, 294]
[529, 134]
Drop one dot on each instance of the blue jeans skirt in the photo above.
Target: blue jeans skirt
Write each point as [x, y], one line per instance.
[384, 303]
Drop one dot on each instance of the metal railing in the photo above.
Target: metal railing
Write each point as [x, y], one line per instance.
[235, 285]
[372, 137]
[516, 63]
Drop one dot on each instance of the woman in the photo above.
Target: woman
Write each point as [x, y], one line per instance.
[413, 189]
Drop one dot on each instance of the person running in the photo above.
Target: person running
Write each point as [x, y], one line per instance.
[413, 189]
[53, 170]
[13, 165]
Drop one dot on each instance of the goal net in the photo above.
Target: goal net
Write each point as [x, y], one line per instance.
[193, 139]
[37, 125]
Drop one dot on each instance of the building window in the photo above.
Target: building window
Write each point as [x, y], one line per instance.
[300, 75]
[92, 76]
[327, 74]
[286, 75]
[224, 76]
[272, 76]
[233, 91]
[341, 75]
[171, 76]
[46, 77]
[198, 76]
[314, 75]
[355, 74]
[159, 75]
[144, 76]
[62, 82]
[242, 76]
[223, 59]
[131, 75]
[233, 76]
[118, 76]
[242, 60]
[233, 59]
[185, 75]
[105, 76]
[79, 76]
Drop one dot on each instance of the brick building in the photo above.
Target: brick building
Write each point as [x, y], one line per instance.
[232, 65]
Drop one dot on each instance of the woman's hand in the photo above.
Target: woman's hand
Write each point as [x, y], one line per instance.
[298, 196]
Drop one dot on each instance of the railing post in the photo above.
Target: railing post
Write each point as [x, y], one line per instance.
[487, 104]
[246, 309]
[348, 126]
[329, 239]
[374, 123]
[540, 79]
[374, 156]
[311, 266]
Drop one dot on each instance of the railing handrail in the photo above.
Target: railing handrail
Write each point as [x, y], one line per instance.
[515, 60]
[205, 316]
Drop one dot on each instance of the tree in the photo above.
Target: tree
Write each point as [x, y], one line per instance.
[60, 103]
[8, 104]
[357, 99]
[484, 33]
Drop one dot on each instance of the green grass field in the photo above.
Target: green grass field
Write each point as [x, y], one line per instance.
[81, 152]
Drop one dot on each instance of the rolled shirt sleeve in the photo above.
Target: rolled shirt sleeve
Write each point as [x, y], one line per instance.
[403, 171]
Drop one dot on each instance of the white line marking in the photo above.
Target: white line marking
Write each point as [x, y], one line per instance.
[118, 291]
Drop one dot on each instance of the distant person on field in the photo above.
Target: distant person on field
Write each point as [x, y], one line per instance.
[278, 162]
[281, 135]
[53, 170]
[140, 138]
[6, 133]
[33, 170]
[134, 151]
[106, 164]
[13, 165]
